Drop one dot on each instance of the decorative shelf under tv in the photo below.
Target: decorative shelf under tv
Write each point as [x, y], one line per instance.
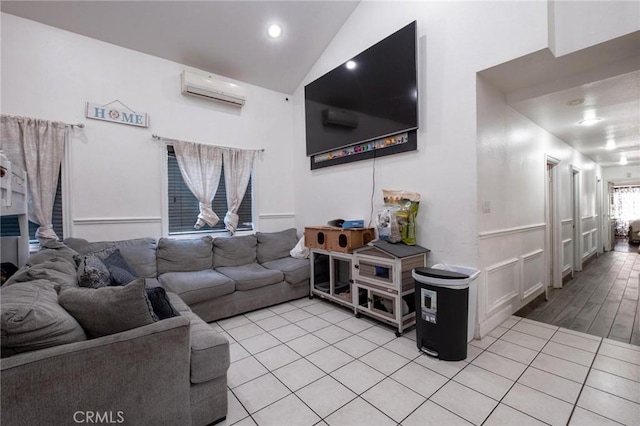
[373, 280]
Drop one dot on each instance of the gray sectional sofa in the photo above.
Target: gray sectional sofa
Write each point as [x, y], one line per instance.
[171, 371]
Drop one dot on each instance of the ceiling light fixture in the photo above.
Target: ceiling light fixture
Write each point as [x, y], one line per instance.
[589, 121]
[611, 144]
[623, 160]
[575, 102]
[274, 31]
[351, 65]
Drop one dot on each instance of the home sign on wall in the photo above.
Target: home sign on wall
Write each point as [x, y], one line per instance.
[125, 115]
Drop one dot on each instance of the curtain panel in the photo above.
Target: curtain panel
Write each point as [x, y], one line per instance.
[238, 166]
[200, 166]
[38, 147]
[625, 207]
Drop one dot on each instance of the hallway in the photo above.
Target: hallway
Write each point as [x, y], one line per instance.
[601, 300]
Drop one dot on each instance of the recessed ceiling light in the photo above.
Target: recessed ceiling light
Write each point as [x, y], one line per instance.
[274, 30]
[351, 65]
[575, 102]
[623, 160]
[611, 144]
[589, 121]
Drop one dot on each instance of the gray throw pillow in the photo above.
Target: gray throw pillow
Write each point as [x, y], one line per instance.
[92, 272]
[275, 245]
[121, 272]
[109, 310]
[32, 318]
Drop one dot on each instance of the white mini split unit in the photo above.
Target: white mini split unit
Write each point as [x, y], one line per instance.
[206, 86]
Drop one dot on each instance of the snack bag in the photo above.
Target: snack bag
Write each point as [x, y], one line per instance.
[387, 224]
[407, 203]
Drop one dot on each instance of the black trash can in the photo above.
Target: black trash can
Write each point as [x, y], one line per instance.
[442, 300]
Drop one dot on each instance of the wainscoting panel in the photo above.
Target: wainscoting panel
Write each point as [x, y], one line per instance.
[589, 242]
[567, 246]
[273, 222]
[567, 256]
[512, 264]
[114, 229]
[533, 270]
[502, 283]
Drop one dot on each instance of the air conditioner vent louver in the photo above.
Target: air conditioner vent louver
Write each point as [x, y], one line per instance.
[206, 86]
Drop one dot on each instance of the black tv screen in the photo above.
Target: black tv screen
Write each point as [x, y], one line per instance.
[369, 97]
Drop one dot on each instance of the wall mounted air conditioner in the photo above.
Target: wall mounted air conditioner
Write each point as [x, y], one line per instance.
[208, 87]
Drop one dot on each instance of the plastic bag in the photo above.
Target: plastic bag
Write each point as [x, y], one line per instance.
[300, 251]
[387, 224]
[407, 203]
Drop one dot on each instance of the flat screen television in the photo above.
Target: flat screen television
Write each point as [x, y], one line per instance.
[369, 97]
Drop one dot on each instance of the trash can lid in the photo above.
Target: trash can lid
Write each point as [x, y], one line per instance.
[440, 273]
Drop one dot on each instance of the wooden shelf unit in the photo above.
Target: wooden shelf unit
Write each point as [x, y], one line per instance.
[370, 281]
[332, 276]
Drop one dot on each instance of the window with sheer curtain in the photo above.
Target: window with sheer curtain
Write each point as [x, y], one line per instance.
[625, 207]
[184, 207]
[9, 226]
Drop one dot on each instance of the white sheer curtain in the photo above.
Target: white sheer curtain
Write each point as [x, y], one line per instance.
[38, 147]
[200, 166]
[238, 165]
[625, 207]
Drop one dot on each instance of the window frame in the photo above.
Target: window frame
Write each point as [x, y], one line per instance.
[192, 231]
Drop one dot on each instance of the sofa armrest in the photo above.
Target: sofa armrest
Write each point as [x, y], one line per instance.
[140, 376]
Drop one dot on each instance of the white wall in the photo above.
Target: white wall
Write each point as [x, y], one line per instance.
[513, 248]
[453, 45]
[578, 24]
[625, 175]
[116, 170]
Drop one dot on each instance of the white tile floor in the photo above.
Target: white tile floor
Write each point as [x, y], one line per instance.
[309, 362]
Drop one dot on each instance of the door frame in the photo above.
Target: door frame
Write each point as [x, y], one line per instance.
[577, 218]
[553, 230]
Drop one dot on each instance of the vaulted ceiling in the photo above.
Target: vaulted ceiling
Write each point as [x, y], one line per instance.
[229, 38]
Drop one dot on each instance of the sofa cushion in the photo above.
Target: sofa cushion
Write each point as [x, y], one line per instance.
[52, 250]
[57, 271]
[294, 270]
[140, 253]
[185, 255]
[177, 303]
[32, 318]
[248, 277]
[234, 251]
[210, 356]
[196, 286]
[275, 245]
[109, 310]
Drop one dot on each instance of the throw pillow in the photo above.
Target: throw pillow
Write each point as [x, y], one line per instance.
[160, 302]
[121, 272]
[109, 310]
[32, 318]
[92, 272]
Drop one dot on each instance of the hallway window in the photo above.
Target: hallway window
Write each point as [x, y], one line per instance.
[625, 207]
